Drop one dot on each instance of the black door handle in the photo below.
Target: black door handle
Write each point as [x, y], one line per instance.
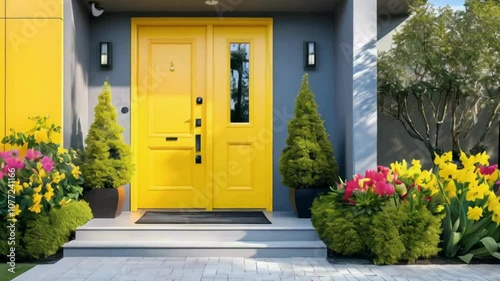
[198, 143]
[171, 138]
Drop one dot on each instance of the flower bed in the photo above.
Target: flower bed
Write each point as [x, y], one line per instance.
[402, 213]
[40, 187]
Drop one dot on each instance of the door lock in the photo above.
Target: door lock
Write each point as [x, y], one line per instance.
[199, 100]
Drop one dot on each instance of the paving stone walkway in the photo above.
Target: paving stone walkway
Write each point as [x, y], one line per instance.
[243, 269]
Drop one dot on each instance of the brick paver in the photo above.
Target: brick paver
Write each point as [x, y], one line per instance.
[240, 269]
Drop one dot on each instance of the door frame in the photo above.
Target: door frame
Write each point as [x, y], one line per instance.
[266, 138]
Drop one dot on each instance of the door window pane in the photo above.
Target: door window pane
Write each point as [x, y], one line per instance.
[240, 75]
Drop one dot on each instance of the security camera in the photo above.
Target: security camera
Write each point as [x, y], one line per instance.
[96, 11]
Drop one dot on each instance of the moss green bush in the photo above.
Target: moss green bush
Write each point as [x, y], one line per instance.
[395, 234]
[43, 235]
[307, 160]
[107, 158]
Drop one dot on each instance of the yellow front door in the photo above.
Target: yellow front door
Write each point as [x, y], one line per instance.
[202, 129]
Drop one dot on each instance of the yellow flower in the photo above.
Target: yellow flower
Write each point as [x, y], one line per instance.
[61, 150]
[448, 171]
[493, 178]
[41, 136]
[468, 162]
[427, 180]
[439, 208]
[483, 158]
[17, 210]
[477, 192]
[451, 188]
[466, 175]
[37, 198]
[56, 177]
[474, 213]
[76, 172]
[36, 208]
[49, 193]
[38, 188]
[493, 202]
[35, 178]
[26, 185]
[496, 217]
[416, 168]
[399, 168]
[18, 187]
[443, 159]
[42, 173]
[63, 176]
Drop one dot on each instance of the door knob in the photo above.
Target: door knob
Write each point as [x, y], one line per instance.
[199, 100]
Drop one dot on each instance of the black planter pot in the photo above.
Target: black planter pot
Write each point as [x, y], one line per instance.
[106, 202]
[301, 200]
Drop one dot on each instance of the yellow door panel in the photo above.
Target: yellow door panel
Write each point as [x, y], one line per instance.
[2, 81]
[171, 75]
[34, 9]
[240, 100]
[34, 73]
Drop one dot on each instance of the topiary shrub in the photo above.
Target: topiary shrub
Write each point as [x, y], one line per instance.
[42, 235]
[307, 160]
[107, 158]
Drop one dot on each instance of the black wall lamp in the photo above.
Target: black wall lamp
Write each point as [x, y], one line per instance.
[310, 54]
[105, 49]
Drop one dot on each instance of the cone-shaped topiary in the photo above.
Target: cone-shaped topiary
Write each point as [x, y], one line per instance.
[307, 160]
[107, 160]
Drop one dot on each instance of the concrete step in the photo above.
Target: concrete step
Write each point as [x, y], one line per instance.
[212, 233]
[256, 249]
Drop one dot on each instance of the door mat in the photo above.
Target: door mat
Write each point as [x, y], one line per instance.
[203, 218]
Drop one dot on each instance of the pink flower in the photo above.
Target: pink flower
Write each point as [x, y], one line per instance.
[1, 175]
[32, 154]
[47, 164]
[484, 170]
[383, 188]
[13, 162]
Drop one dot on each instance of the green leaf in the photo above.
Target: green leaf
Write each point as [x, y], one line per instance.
[466, 258]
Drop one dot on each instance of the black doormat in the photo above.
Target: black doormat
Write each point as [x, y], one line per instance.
[203, 218]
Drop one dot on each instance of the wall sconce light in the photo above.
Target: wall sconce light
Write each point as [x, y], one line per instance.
[310, 55]
[105, 54]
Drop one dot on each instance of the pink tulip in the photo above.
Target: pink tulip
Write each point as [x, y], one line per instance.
[32, 154]
[382, 188]
[47, 164]
[484, 170]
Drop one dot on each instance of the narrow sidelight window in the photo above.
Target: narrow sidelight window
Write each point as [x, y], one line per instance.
[240, 76]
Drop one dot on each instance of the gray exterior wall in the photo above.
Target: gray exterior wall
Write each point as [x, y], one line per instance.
[290, 31]
[394, 143]
[76, 69]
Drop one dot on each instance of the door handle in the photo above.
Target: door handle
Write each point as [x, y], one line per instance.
[171, 138]
[198, 143]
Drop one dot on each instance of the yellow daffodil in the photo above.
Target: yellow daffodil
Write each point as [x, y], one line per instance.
[466, 175]
[476, 192]
[49, 193]
[18, 187]
[56, 177]
[416, 168]
[448, 171]
[443, 159]
[35, 178]
[17, 210]
[475, 213]
[496, 217]
[468, 161]
[493, 178]
[35, 208]
[41, 136]
[483, 158]
[451, 189]
[61, 150]
[493, 202]
[76, 172]
[38, 188]
[399, 168]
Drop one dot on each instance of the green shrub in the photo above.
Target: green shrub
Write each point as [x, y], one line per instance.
[43, 235]
[307, 160]
[107, 159]
[391, 235]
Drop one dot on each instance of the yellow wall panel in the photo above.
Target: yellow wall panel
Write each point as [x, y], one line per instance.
[34, 8]
[34, 67]
[2, 8]
[2, 79]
